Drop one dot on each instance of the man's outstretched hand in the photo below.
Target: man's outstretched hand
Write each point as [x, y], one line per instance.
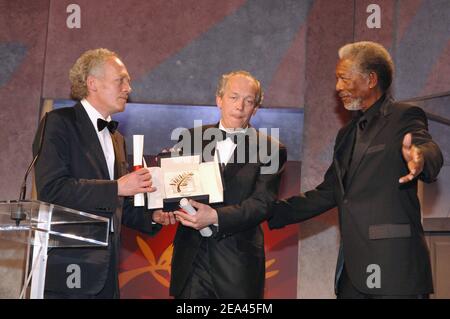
[413, 156]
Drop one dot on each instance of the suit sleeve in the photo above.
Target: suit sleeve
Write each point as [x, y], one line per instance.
[138, 218]
[256, 208]
[414, 121]
[306, 205]
[55, 182]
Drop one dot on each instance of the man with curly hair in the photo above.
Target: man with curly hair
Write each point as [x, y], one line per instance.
[83, 165]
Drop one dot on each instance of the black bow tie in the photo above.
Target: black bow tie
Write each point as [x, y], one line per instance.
[111, 125]
[233, 136]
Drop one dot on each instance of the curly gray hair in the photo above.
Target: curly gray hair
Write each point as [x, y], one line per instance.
[89, 63]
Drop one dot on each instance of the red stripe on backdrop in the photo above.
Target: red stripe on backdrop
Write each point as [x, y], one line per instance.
[439, 78]
[287, 87]
[143, 33]
[407, 10]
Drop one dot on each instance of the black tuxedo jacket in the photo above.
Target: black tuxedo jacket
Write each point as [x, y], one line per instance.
[72, 172]
[379, 219]
[236, 250]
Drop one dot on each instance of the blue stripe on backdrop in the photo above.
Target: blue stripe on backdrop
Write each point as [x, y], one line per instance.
[254, 38]
[156, 122]
[11, 56]
[421, 47]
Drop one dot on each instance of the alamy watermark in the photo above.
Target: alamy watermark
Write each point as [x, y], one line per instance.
[252, 146]
[374, 19]
[374, 279]
[73, 20]
[74, 279]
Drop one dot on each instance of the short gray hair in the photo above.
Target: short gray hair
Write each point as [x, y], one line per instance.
[224, 80]
[371, 57]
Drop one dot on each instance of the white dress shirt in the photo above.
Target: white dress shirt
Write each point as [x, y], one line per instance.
[105, 140]
[226, 147]
[103, 136]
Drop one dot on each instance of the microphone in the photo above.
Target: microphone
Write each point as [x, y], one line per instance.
[20, 215]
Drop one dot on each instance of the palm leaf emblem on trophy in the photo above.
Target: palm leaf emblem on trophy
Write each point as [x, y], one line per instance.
[182, 181]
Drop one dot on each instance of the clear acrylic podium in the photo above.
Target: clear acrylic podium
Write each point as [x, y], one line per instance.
[24, 246]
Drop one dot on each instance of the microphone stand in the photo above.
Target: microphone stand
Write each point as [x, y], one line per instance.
[19, 214]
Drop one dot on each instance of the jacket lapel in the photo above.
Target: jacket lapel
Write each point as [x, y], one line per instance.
[119, 156]
[365, 140]
[90, 140]
[345, 132]
[339, 166]
[207, 154]
[231, 169]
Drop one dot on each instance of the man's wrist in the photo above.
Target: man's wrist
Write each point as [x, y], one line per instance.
[216, 218]
[116, 183]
